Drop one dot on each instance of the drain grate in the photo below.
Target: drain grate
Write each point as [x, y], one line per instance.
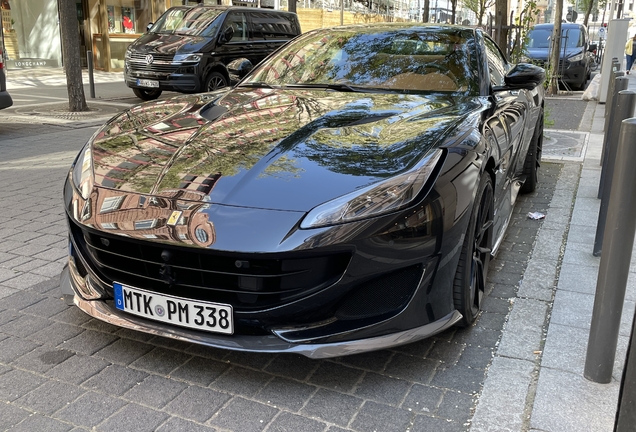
[59, 111]
[564, 145]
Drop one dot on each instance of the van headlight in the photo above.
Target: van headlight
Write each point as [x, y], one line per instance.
[375, 200]
[577, 57]
[83, 172]
[186, 58]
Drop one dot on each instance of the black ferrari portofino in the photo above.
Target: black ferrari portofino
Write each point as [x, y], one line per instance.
[347, 195]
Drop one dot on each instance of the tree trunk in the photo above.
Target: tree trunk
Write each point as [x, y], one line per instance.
[453, 11]
[426, 11]
[291, 6]
[501, 25]
[71, 56]
[555, 47]
[588, 11]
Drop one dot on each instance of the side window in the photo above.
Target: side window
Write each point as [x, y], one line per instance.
[273, 26]
[238, 21]
[496, 63]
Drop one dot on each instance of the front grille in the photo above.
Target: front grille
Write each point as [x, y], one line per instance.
[161, 64]
[386, 294]
[248, 282]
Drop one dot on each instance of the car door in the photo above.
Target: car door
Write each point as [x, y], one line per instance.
[509, 127]
[240, 45]
[271, 30]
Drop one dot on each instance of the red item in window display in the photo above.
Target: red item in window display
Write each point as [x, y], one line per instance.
[128, 24]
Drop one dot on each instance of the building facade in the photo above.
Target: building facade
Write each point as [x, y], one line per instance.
[31, 33]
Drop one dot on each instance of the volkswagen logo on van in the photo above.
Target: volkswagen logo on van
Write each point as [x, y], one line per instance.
[149, 59]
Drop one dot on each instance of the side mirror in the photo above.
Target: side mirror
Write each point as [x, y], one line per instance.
[239, 68]
[523, 76]
[149, 26]
[226, 35]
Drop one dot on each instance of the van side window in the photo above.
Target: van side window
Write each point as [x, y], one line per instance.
[238, 21]
[272, 26]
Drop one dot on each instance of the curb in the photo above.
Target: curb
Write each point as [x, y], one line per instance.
[510, 388]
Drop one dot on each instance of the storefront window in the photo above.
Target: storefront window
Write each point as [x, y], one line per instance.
[115, 24]
[124, 16]
[31, 33]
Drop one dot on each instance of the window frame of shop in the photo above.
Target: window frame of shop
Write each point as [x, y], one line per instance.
[109, 46]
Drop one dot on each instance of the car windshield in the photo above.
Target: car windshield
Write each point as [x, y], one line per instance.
[196, 21]
[540, 38]
[412, 59]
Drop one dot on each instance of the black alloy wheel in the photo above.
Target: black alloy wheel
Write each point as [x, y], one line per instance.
[533, 158]
[146, 95]
[214, 81]
[472, 269]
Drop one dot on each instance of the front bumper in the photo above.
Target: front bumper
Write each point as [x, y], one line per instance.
[71, 282]
[184, 81]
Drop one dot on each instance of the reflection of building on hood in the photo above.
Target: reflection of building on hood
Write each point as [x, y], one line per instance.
[168, 217]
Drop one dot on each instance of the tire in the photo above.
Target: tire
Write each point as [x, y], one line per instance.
[533, 159]
[146, 95]
[470, 278]
[214, 81]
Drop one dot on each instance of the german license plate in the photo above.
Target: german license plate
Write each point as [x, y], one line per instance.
[206, 316]
[147, 83]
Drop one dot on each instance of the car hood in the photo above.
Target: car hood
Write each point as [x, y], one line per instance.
[542, 53]
[170, 44]
[270, 149]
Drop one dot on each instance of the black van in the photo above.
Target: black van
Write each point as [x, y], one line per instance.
[574, 59]
[188, 48]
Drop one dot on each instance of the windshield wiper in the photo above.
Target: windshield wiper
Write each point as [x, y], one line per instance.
[322, 86]
[339, 87]
[258, 85]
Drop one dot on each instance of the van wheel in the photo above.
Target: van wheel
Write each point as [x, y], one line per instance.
[214, 81]
[146, 95]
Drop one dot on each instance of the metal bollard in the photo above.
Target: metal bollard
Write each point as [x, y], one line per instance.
[624, 109]
[612, 276]
[626, 413]
[91, 81]
[611, 131]
[610, 91]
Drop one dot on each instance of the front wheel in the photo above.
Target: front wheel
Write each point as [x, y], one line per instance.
[470, 278]
[533, 159]
[146, 95]
[214, 81]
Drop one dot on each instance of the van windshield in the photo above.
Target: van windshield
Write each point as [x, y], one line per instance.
[540, 38]
[196, 21]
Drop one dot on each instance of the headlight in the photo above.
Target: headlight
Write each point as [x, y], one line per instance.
[83, 172]
[576, 58]
[187, 58]
[385, 197]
